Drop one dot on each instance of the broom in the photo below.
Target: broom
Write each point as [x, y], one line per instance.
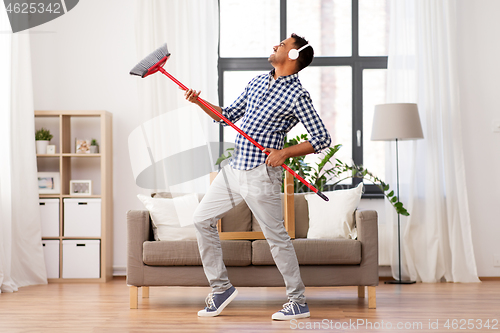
[155, 62]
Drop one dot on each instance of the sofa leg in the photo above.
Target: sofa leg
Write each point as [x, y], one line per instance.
[145, 292]
[133, 297]
[372, 298]
[361, 291]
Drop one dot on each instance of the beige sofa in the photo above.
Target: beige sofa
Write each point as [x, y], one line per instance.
[332, 262]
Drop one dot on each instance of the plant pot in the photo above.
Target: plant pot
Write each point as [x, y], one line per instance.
[41, 146]
[94, 149]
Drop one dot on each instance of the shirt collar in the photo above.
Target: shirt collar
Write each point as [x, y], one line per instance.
[285, 79]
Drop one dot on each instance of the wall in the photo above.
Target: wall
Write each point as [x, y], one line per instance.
[479, 51]
[82, 59]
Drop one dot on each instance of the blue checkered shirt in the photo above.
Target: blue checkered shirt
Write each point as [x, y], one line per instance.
[268, 114]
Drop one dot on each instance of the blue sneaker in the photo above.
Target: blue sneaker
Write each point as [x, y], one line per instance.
[292, 310]
[216, 302]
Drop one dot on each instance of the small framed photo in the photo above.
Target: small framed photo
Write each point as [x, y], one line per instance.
[80, 187]
[82, 146]
[48, 183]
[51, 149]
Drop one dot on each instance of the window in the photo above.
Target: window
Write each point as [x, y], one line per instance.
[346, 78]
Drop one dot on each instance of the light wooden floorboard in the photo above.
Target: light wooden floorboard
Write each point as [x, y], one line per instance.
[105, 308]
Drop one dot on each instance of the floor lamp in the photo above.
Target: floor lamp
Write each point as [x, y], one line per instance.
[395, 122]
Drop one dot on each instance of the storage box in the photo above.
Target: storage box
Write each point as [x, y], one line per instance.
[49, 213]
[82, 217]
[81, 259]
[51, 254]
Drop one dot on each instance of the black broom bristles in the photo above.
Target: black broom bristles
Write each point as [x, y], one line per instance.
[142, 68]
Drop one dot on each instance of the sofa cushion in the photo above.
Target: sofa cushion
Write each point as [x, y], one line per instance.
[170, 195]
[186, 253]
[339, 222]
[172, 217]
[313, 252]
[301, 215]
[238, 218]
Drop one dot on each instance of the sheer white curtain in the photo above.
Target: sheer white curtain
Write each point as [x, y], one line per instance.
[190, 29]
[436, 237]
[21, 255]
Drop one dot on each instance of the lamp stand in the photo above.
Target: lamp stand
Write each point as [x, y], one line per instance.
[399, 226]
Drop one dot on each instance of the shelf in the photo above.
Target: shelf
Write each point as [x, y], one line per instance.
[74, 238]
[80, 238]
[69, 196]
[67, 127]
[68, 155]
[72, 113]
[45, 196]
[82, 155]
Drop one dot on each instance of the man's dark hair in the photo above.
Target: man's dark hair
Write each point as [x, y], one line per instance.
[306, 55]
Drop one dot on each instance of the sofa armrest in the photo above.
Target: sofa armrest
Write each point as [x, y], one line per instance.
[138, 230]
[367, 226]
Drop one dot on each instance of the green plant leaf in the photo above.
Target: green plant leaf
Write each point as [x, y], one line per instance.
[321, 173]
[403, 211]
[43, 134]
[220, 159]
[223, 157]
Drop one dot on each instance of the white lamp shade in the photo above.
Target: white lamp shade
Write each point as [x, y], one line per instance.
[396, 121]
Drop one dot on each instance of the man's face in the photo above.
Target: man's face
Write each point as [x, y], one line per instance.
[280, 51]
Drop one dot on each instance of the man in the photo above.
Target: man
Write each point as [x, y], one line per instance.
[270, 106]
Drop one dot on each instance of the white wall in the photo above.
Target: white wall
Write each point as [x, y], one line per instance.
[82, 59]
[479, 54]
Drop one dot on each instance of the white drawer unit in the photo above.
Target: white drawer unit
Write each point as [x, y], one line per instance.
[81, 259]
[49, 214]
[51, 254]
[82, 217]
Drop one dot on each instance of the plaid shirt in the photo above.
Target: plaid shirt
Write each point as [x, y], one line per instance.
[268, 114]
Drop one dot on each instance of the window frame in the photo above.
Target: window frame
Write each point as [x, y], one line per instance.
[355, 61]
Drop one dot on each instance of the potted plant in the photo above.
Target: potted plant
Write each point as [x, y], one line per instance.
[42, 137]
[94, 147]
[327, 170]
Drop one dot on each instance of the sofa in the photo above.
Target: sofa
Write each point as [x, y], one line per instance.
[323, 262]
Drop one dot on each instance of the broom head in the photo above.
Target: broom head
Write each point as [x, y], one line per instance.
[152, 62]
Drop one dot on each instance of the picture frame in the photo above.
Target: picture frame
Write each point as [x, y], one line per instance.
[80, 187]
[82, 146]
[48, 183]
[51, 149]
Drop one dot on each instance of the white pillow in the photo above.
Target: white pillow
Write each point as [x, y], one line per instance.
[333, 218]
[172, 218]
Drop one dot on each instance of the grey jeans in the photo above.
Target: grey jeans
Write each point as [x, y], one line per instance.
[260, 188]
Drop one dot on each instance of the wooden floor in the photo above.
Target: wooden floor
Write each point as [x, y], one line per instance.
[105, 308]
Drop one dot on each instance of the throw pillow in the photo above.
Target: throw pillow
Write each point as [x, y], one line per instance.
[238, 218]
[333, 218]
[172, 218]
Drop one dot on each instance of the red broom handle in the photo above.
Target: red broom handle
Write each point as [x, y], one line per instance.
[305, 182]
